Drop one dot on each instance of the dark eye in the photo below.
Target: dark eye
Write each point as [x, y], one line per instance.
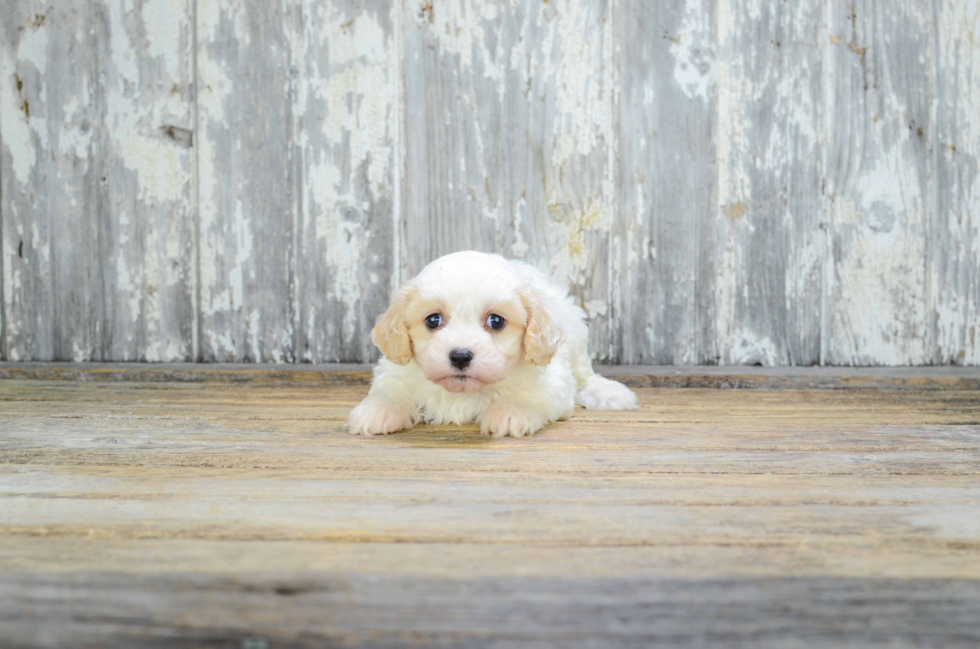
[495, 322]
[434, 321]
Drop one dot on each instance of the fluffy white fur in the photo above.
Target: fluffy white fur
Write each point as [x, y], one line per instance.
[531, 372]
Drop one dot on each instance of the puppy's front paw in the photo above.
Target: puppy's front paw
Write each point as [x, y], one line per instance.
[375, 417]
[599, 393]
[500, 421]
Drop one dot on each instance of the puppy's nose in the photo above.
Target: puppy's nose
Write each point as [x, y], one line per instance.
[460, 358]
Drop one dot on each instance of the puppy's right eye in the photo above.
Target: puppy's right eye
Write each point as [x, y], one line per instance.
[434, 321]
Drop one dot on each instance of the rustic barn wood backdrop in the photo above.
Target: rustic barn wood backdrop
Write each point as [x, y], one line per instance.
[721, 181]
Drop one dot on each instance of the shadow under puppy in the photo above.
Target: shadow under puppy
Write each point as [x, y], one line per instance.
[476, 337]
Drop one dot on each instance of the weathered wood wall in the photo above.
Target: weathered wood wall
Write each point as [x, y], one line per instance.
[720, 181]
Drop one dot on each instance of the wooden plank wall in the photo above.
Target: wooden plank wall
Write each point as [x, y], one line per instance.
[719, 181]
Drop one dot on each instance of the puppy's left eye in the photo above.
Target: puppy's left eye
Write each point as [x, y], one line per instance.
[434, 321]
[495, 322]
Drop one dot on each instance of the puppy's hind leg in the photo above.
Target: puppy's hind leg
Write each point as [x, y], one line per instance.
[597, 392]
[600, 393]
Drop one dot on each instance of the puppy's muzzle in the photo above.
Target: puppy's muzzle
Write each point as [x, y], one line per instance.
[460, 358]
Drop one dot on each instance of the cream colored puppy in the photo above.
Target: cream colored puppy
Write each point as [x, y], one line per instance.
[476, 337]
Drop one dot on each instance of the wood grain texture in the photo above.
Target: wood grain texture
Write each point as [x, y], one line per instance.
[666, 185]
[955, 245]
[147, 238]
[769, 244]
[248, 166]
[358, 611]
[719, 181]
[881, 130]
[508, 139]
[167, 514]
[346, 108]
[640, 376]
[51, 104]
[97, 182]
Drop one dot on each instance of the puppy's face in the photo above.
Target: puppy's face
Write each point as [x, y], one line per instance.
[467, 320]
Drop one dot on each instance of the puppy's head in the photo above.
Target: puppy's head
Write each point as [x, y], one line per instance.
[468, 319]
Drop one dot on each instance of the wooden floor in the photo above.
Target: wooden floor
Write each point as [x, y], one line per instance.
[173, 514]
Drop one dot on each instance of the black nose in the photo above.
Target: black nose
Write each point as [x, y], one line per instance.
[460, 358]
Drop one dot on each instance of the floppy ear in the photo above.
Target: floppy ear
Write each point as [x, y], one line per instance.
[390, 334]
[542, 334]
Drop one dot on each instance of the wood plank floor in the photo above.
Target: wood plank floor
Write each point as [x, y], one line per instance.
[172, 514]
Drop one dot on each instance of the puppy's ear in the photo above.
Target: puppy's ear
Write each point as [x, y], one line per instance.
[543, 332]
[390, 334]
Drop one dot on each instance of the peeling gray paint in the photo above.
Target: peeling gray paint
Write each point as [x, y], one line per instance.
[881, 81]
[96, 202]
[768, 241]
[247, 175]
[667, 187]
[346, 108]
[146, 231]
[955, 245]
[719, 181]
[53, 289]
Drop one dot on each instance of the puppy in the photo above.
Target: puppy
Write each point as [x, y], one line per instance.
[476, 337]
